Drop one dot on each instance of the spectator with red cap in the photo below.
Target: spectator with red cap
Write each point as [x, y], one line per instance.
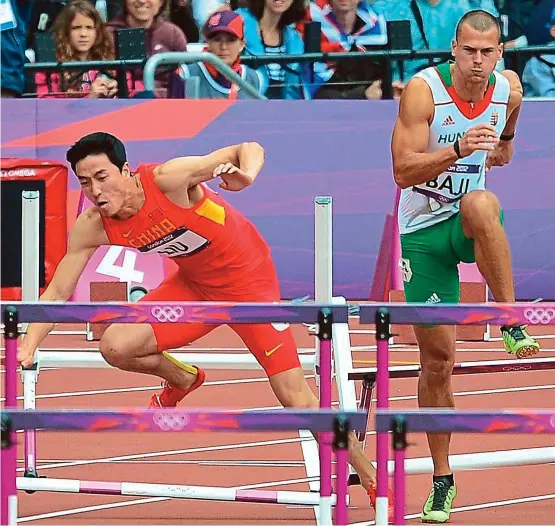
[224, 33]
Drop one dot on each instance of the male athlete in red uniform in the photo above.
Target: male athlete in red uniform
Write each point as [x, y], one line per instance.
[166, 209]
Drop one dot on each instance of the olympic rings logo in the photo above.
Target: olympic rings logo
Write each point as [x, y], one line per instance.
[170, 422]
[540, 315]
[168, 314]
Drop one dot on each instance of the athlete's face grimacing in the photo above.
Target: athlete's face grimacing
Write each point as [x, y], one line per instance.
[103, 183]
[476, 53]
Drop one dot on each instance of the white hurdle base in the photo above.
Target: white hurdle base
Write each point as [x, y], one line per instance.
[93, 359]
[132, 489]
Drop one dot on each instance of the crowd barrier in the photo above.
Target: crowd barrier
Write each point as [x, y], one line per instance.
[175, 58]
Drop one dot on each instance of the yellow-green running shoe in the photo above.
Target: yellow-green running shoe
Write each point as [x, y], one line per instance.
[518, 342]
[438, 506]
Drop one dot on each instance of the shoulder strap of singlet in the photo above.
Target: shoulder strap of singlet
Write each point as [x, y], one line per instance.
[432, 77]
[502, 90]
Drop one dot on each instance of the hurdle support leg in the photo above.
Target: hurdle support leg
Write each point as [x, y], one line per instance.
[382, 445]
[323, 259]
[341, 448]
[325, 324]
[368, 383]
[8, 507]
[323, 283]
[399, 448]
[343, 361]
[29, 377]
[30, 287]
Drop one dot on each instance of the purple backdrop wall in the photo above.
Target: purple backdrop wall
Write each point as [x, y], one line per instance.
[338, 148]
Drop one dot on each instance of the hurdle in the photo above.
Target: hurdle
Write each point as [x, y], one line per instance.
[443, 314]
[172, 312]
[91, 357]
[534, 421]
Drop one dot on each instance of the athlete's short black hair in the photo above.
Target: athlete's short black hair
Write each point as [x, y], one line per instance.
[95, 144]
[480, 20]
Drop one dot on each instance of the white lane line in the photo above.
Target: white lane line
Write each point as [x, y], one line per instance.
[118, 390]
[204, 449]
[86, 509]
[70, 394]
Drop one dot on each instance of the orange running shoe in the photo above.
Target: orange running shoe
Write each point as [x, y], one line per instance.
[171, 396]
[390, 509]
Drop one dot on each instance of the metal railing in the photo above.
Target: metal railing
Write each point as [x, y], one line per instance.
[159, 59]
[188, 58]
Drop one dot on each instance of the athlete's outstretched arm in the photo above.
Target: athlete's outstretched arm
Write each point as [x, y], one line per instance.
[412, 165]
[190, 171]
[84, 240]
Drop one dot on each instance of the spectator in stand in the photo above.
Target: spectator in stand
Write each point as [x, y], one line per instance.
[16, 16]
[433, 25]
[533, 29]
[79, 35]
[202, 9]
[161, 35]
[537, 32]
[348, 25]
[224, 33]
[270, 30]
[538, 78]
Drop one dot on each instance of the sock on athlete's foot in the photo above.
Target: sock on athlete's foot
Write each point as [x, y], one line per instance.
[446, 478]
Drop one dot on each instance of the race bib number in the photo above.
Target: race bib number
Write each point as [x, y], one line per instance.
[181, 242]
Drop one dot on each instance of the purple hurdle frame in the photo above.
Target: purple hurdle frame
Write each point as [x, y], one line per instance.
[325, 326]
[533, 421]
[421, 313]
[8, 513]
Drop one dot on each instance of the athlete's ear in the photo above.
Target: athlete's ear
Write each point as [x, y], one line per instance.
[453, 47]
[125, 170]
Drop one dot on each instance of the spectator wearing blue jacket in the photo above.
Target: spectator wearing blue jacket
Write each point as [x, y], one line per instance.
[15, 22]
[269, 30]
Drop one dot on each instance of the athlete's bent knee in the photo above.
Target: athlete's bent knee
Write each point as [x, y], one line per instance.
[480, 210]
[478, 204]
[114, 349]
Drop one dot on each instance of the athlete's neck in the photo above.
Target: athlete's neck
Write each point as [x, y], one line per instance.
[134, 199]
[466, 90]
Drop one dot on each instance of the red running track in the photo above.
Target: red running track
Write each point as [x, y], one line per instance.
[515, 495]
